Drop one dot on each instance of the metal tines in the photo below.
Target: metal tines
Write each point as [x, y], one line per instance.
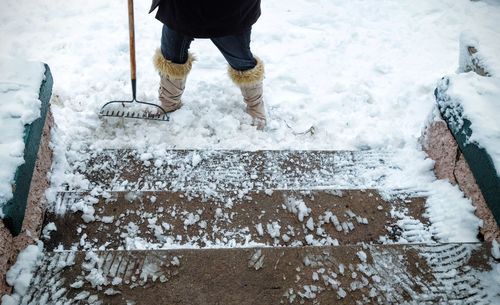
[108, 110]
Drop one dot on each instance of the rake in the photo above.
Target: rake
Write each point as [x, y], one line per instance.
[126, 109]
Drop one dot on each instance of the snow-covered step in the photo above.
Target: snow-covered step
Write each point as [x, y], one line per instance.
[152, 220]
[362, 274]
[210, 171]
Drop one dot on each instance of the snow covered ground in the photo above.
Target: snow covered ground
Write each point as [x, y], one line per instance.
[354, 70]
[361, 73]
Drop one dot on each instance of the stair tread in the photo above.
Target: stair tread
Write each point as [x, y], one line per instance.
[211, 171]
[234, 227]
[368, 274]
[280, 218]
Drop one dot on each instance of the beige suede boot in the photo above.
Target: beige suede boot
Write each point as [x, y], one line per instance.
[172, 80]
[251, 85]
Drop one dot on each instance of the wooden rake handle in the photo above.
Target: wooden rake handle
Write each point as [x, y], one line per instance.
[131, 30]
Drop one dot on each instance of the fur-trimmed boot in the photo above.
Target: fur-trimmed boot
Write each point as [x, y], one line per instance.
[173, 80]
[250, 83]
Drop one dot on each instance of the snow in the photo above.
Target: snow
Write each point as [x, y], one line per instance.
[111, 291]
[77, 284]
[95, 278]
[107, 219]
[341, 293]
[478, 97]
[298, 207]
[341, 75]
[341, 268]
[256, 261]
[310, 224]
[356, 70]
[392, 80]
[175, 261]
[260, 229]
[20, 274]
[495, 249]
[273, 229]
[196, 159]
[310, 239]
[309, 292]
[362, 256]
[20, 82]
[191, 219]
[93, 265]
[48, 229]
[82, 295]
[487, 45]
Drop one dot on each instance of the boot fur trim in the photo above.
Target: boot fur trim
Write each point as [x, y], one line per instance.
[172, 70]
[248, 77]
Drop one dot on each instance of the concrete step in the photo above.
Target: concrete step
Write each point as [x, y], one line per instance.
[145, 220]
[211, 171]
[362, 274]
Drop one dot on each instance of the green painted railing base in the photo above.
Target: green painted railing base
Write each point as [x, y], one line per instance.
[15, 208]
[478, 159]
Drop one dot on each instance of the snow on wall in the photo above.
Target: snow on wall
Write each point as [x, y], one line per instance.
[480, 99]
[19, 105]
[479, 96]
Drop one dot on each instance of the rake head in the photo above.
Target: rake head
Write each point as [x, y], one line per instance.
[134, 110]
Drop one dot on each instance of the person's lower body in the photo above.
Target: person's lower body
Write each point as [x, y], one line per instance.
[173, 62]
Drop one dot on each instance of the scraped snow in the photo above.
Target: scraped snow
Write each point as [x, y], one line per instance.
[451, 215]
[19, 106]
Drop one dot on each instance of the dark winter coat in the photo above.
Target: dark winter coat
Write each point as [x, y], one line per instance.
[207, 18]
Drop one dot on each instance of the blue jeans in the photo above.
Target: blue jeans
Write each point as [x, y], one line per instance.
[234, 48]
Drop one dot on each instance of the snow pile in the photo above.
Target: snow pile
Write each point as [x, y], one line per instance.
[273, 229]
[256, 261]
[487, 45]
[298, 207]
[260, 229]
[20, 274]
[309, 292]
[478, 96]
[362, 256]
[495, 250]
[48, 229]
[19, 105]
[86, 207]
